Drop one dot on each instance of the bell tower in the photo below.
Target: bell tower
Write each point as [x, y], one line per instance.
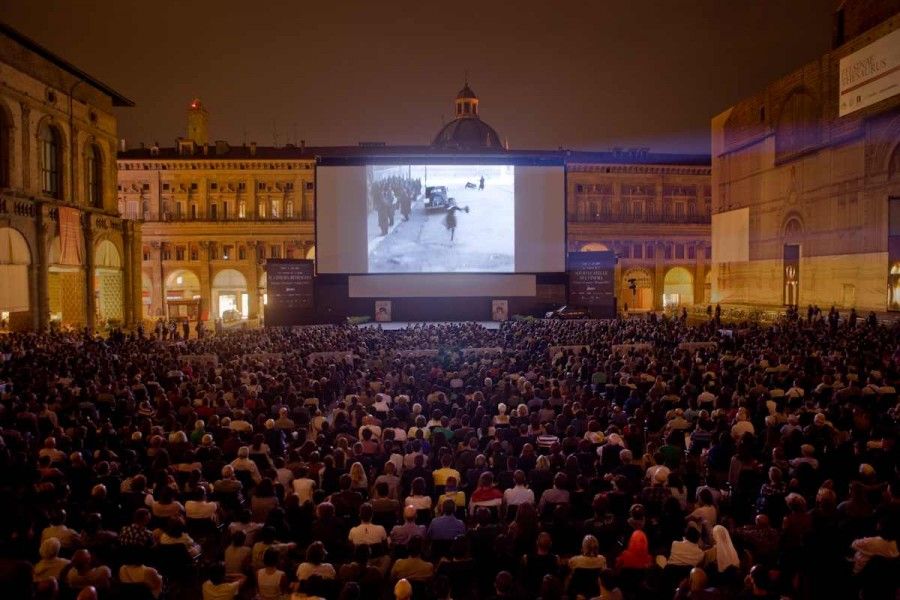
[466, 102]
[198, 123]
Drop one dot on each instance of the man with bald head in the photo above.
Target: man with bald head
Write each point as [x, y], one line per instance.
[402, 534]
[762, 539]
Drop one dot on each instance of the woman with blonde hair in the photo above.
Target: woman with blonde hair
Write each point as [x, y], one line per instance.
[590, 557]
[501, 419]
[358, 479]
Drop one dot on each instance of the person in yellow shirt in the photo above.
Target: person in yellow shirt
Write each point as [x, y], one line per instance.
[451, 493]
[445, 472]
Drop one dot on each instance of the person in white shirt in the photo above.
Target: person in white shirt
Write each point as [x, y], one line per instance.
[519, 493]
[808, 452]
[134, 571]
[742, 425]
[687, 552]
[284, 475]
[315, 564]
[68, 538]
[217, 588]
[201, 508]
[304, 486]
[243, 463]
[370, 424]
[366, 533]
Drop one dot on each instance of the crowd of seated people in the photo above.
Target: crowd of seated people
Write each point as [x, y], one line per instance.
[630, 458]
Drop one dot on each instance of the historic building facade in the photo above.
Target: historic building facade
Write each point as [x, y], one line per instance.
[211, 214]
[806, 177]
[66, 256]
[653, 211]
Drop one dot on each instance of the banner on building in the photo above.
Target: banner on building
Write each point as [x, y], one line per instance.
[71, 246]
[870, 75]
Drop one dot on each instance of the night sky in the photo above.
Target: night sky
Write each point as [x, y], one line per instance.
[584, 75]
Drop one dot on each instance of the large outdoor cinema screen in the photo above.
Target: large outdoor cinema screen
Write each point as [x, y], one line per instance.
[439, 218]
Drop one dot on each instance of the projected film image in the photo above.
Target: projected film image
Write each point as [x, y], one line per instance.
[441, 218]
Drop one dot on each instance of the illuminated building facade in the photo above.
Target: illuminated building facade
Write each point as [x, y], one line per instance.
[66, 256]
[806, 177]
[211, 215]
[653, 211]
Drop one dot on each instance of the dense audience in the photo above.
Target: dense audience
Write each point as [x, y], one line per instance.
[636, 458]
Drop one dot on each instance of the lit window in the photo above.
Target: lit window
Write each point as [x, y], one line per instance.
[51, 174]
[95, 176]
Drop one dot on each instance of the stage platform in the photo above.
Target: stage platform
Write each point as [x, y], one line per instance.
[395, 325]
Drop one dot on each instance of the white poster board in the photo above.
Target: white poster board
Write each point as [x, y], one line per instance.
[383, 311]
[870, 75]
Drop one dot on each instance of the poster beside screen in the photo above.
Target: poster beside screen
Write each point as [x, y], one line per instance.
[290, 296]
[592, 283]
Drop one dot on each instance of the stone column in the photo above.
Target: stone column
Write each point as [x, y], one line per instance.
[253, 289]
[42, 226]
[127, 277]
[620, 292]
[137, 270]
[89, 301]
[159, 280]
[699, 272]
[206, 307]
[658, 275]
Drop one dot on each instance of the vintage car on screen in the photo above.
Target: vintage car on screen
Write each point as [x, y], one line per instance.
[436, 197]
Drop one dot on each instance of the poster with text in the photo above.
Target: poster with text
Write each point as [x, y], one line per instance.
[591, 282]
[289, 293]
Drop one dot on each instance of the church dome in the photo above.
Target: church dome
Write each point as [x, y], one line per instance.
[466, 134]
[467, 131]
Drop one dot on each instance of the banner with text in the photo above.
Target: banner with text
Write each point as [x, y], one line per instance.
[290, 292]
[592, 282]
[870, 75]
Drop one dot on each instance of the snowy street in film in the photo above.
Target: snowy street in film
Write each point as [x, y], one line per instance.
[410, 208]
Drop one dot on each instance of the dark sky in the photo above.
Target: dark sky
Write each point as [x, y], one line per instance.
[585, 75]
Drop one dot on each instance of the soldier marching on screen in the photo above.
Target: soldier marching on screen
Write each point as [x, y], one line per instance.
[384, 208]
[392, 193]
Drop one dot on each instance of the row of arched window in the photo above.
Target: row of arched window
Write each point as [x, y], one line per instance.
[50, 162]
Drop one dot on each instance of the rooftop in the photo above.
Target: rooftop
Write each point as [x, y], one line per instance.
[31, 45]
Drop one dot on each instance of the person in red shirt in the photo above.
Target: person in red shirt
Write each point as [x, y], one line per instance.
[636, 554]
[485, 494]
